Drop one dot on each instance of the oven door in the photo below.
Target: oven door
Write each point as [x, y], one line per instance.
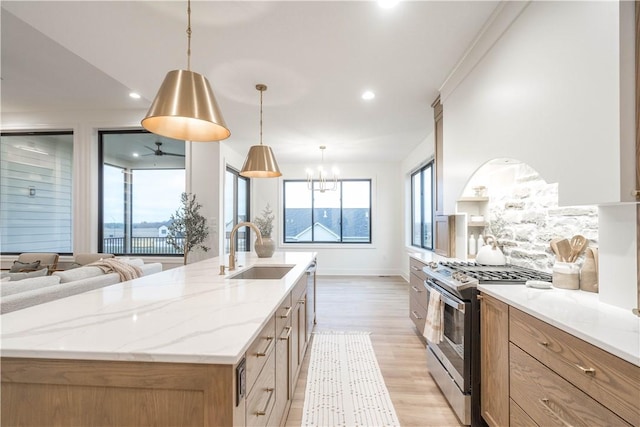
[454, 350]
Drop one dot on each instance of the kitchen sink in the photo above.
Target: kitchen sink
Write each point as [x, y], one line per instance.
[263, 272]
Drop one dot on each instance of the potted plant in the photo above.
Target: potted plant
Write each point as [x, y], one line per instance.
[265, 225]
[188, 229]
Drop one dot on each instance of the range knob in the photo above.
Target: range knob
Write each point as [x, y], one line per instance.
[433, 265]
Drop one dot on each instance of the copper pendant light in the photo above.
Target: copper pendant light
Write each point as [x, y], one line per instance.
[260, 162]
[185, 107]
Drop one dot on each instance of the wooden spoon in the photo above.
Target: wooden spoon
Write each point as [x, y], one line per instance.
[578, 244]
[564, 249]
[554, 246]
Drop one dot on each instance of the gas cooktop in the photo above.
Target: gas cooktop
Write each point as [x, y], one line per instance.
[497, 274]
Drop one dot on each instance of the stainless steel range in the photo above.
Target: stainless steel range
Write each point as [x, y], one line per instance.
[455, 361]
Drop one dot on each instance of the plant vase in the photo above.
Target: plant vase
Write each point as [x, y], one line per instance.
[266, 249]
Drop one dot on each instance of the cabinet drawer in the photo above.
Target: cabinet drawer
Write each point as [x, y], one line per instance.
[416, 267]
[298, 290]
[550, 400]
[418, 291]
[418, 314]
[283, 314]
[259, 352]
[608, 379]
[262, 397]
[517, 417]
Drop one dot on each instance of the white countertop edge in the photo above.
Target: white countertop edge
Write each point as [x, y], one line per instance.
[124, 357]
[627, 350]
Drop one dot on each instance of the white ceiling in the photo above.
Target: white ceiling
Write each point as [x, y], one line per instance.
[316, 57]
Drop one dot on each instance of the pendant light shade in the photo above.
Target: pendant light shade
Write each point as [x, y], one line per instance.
[185, 108]
[260, 161]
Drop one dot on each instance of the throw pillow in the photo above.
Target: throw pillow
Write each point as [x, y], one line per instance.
[24, 266]
[27, 275]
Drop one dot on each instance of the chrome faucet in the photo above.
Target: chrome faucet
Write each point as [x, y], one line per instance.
[232, 249]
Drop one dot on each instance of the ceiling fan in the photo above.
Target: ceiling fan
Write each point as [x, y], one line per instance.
[158, 151]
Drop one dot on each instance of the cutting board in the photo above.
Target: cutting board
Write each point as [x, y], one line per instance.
[589, 272]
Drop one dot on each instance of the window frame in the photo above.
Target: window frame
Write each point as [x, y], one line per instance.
[338, 243]
[247, 236]
[101, 163]
[9, 133]
[421, 171]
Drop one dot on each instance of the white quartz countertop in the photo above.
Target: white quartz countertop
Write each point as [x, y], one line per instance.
[188, 314]
[579, 313]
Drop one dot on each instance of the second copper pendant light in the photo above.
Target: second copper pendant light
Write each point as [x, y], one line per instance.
[260, 162]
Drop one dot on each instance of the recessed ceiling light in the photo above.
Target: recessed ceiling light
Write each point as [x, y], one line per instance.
[368, 95]
[136, 155]
[134, 95]
[388, 4]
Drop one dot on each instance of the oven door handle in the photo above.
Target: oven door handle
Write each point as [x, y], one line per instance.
[449, 301]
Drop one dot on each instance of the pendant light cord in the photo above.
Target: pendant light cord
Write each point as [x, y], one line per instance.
[188, 35]
[261, 117]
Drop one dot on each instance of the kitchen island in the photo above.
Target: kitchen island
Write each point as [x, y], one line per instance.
[181, 347]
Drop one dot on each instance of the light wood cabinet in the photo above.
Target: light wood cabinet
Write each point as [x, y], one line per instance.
[418, 295]
[445, 231]
[553, 377]
[494, 361]
[283, 359]
[608, 379]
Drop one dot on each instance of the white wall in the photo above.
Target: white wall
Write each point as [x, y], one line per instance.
[555, 90]
[548, 93]
[383, 256]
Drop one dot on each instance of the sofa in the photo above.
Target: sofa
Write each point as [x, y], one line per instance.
[35, 288]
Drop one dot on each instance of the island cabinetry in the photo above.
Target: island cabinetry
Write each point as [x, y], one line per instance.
[261, 398]
[283, 359]
[494, 361]
[298, 328]
[259, 352]
[418, 297]
[58, 392]
[554, 378]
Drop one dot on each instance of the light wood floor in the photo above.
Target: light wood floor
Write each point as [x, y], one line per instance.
[380, 305]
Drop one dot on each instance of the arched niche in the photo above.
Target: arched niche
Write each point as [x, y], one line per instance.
[510, 200]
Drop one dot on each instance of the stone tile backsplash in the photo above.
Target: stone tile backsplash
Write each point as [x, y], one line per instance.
[524, 216]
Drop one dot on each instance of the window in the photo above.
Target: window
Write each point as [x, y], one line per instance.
[236, 209]
[36, 192]
[340, 216]
[142, 178]
[422, 207]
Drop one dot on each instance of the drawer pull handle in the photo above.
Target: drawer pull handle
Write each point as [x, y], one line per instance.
[302, 301]
[546, 403]
[264, 411]
[415, 314]
[415, 288]
[588, 371]
[266, 350]
[544, 343]
[284, 316]
[414, 268]
[288, 328]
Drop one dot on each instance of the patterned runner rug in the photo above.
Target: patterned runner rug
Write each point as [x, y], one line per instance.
[344, 384]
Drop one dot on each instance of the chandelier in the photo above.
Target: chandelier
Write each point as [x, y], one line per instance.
[323, 182]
